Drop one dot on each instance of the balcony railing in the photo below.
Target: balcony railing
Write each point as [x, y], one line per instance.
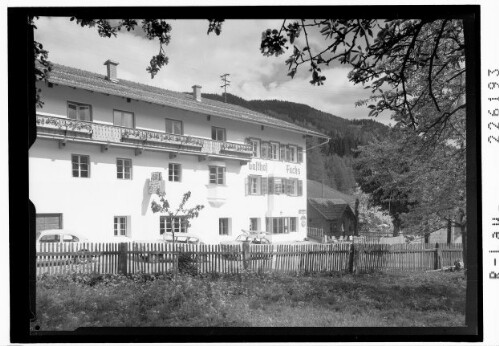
[69, 128]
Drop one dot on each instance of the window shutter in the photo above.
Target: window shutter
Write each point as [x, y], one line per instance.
[288, 153]
[278, 181]
[300, 154]
[285, 186]
[300, 188]
[246, 186]
[271, 186]
[282, 153]
[265, 185]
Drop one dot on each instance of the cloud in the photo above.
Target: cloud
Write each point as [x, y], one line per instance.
[198, 58]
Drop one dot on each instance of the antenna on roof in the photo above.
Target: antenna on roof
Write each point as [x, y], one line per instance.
[225, 85]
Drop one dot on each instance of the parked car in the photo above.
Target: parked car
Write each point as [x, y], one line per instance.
[60, 236]
[182, 238]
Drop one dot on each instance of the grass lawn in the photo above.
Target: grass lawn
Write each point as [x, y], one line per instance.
[431, 299]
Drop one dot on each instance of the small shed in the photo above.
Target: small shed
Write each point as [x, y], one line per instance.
[334, 216]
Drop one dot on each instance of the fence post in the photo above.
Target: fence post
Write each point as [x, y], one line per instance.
[351, 259]
[246, 254]
[438, 257]
[122, 258]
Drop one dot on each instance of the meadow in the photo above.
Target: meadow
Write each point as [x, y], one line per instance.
[424, 299]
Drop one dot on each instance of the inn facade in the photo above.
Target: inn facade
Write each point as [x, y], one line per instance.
[105, 146]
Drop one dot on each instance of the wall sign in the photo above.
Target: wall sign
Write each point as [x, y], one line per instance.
[156, 183]
[292, 169]
[257, 166]
[303, 219]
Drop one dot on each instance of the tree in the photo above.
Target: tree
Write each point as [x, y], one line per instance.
[429, 189]
[187, 213]
[153, 29]
[370, 218]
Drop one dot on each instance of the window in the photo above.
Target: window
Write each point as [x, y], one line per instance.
[254, 224]
[255, 182]
[217, 133]
[124, 119]
[282, 152]
[174, 172]
[124, 169]
[223, 226]
[174, 127]
[81, 166]
[292, 154]
[281, 225]
[176, 223]
[288, 186]
[277, 225]
[291, 187]
[274, 151]
[300, 155]
[68, 238]
[265, 150]
[79, 111]
[50, 238]
[217, 175]
[255, 144]
[278, 188]
[120, 226]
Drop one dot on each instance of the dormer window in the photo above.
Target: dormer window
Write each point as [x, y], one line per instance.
[79, 111]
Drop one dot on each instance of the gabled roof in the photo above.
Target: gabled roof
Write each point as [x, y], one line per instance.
[319, 190]
[76, 78]
[330, 208]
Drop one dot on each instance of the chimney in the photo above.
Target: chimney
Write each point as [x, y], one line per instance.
[112, 73]
[196, 92]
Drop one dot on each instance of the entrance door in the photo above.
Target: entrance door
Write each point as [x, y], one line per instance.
[48, 221]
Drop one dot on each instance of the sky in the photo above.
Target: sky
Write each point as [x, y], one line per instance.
[198, 58]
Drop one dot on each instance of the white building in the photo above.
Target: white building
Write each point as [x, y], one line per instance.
[101, 142]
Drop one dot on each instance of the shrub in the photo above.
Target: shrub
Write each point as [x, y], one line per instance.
[187, 264]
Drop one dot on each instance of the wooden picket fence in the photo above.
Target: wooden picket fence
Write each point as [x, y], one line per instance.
[131, 258]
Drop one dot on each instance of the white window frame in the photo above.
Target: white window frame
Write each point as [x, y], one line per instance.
[215, 131]
[121, 226]
[179, 224]
[252, 222]
[255, 145]
[224, 226]
[79, 106]
[171, 172]
[274, 151]
[255, 184]
[219, 170]
[123, 169]
[121, 120]
[281, 225]
[79, 165]
[293, 153]
[172, 129]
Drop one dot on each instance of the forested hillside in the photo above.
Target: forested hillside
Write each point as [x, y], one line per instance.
[330, 163]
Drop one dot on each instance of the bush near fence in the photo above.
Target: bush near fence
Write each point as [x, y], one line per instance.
[152, 258]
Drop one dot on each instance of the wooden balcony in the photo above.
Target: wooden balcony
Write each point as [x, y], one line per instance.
[84, 131]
